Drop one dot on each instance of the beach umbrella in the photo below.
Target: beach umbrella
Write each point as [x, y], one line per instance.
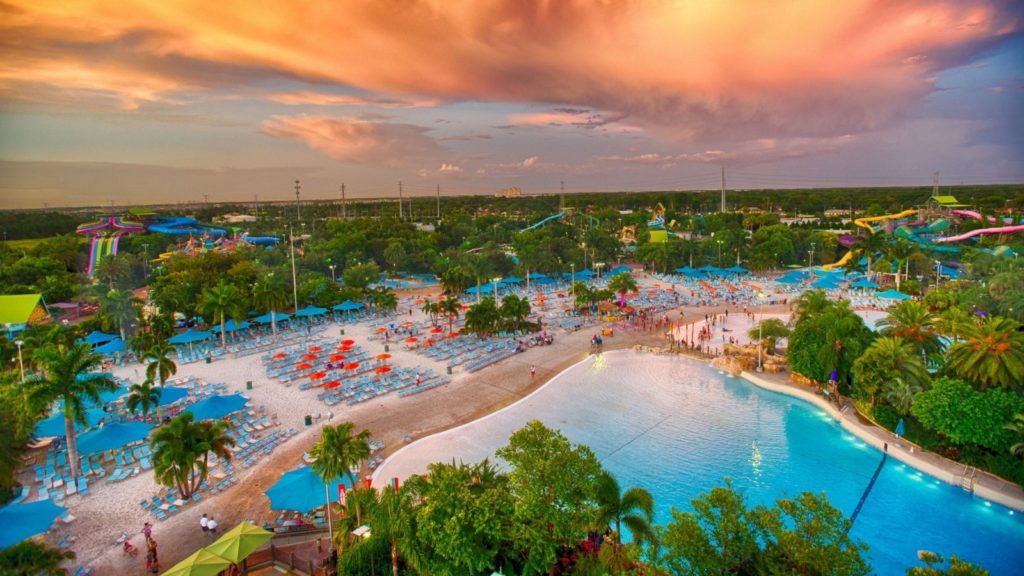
[106, 397]
[411, 339]
[337, 357]
[453, 335]
[311, 310]
[190, 336]
[21, 521]
[383, 356]
[788, 280]
[217, 406]
[825, 284]
[315, 349]
[864, 283]
[54, 424]
[301, 490]
[111, 436]
[381, 329]
[115, 346]
[901, 427]
[96, 337]
[232, 326]
[318, 375]
[383, 369]
[348, 305]
[170, 394]
[310, 357]
[436, 330]
[239, 542]
[271, 316]
[347, 342]
[303, 366]
[893, 295]
[332, 384]
[428, 342]
[513, 280]
[201, 563]
[351, 365]
[279, 356]
[738, 270]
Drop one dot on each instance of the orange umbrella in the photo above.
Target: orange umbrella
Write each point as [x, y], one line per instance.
[381, 329]
[303, 366]
[280, 355]
[318, 375]
[428, 342]
[337, 357]
[383, 356]
[407, 323]
[315, 349]
[453, 334]
[310, 357]
[436, 330]
[351, 365]
[347, 342]
[383, 369]
[332, 384]
[412, 339]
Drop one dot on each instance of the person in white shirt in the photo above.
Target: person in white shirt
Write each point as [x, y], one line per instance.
[211, 525]
[204, 523]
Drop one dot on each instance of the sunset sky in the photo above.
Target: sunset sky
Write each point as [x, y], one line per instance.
[141, 101]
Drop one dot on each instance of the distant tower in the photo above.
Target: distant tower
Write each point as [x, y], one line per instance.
[343, 211]
[399, 199]
[561, 197]
[723, 188]
[298, 209]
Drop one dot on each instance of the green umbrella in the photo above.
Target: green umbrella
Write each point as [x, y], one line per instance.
[202, 563]
[236, 544]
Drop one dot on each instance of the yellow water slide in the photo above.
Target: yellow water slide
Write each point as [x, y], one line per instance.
[842, 262]
[863, 222]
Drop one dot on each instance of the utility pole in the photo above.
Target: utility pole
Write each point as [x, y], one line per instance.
[343, 208]
[256, 204]
[399, 199]
[935, 184]
[438, 202]
[206, 199]
[723, 188]
[561, 197]
[298, 209]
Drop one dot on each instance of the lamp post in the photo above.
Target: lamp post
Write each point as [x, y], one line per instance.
[21, 364]
[719, 251]
[572, 283]
[810, 259]
[494, 282]
[599, 266]
[584, 246]
[332, 267]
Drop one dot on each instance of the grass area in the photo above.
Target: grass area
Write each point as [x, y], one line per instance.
[30, 243]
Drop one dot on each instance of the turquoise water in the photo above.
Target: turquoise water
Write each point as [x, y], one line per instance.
[677, 428]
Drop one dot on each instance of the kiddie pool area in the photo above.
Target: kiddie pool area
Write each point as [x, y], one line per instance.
[677, 427]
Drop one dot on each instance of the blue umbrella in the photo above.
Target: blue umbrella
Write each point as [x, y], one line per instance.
[170, 394]
[54, 424]
[115, 346]
[825, 284]
[232, 326]
[620, 269]
[738, 270]
[301, 490]
[311, 311]
[96, 337]
[105, 397]
[864, 283]
[586, 273]
[537, 276]
[787, 279]
[266, 318]
[901, 428]
[217, 406]
[112, 436]
[22, 521]
[687, 271]
[189, 337]
[348, 305]
[513, 280]
[893, 295]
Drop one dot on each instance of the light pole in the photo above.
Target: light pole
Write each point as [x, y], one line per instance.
[21, 364]
[584, 246]
[599, 266]
[331, 266]
[572, 283]
[810, 259]
[719, 252]
[494, 282]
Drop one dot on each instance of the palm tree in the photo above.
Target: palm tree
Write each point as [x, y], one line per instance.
[270, 294]
[768, 331]
[900, 394]
[479, 268]
[220, 302]
[68, 376]
[35, 558]
[160, 367]
[454, 281]
[181, 451]
[384, 298]
[952, 322]
[992, 354]
[431, 309]
[119, 308]
[868, 245]
[893, 366]
[622, 283]
[901, 251]
[143, 396]
[1017, 426]
[808, 304]
[482, 318]
[450, 307]
[634, 508]
[338, 451]
[912, 321]
[392, 522]
[514, 311]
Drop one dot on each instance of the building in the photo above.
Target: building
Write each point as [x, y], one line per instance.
[513, 192]
[20, 310]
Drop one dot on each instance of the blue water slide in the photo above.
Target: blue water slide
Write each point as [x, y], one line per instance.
[544, 221]
[262, 240]
[185, 226]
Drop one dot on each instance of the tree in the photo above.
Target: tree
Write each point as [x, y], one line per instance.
[431, 309]
[338, 450]
[513, 311]
[478, 268]
[827, 338]
[119, 308]
[553, 483]
[483, 317]
[17, 419]
[454, 281]
[901, 251]
[914, 323]
[181, 451]
[634, 508]
[769, 331]
[450, 307]
[957, 567]
[992, 354]
[32, 558]
[392, 521]
[1017, 427]
[359, 276]
[270, 294]
[966, 416]
[809, 304]
[622, 283]
[953, 321]
[159, 366]
[142, 396]
[68, 376]
[221, 302]
[383, 298]
[890, 364]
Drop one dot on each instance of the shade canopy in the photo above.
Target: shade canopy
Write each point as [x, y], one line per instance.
[348, 305]
[311, 311]
[893, 295]
[232, 326]
[96, 337]
[202, 563]
[787, 279]
[272, 317]
[105, 396]
[170, 394]
[864, 283]
[619, 270]
[825, 284]
[21, 521]
[239, 542]
[115, 346]
[217, 406]
[54, 424]
[190, 336]
[738, 270]
[513, 280]
[301, 490]
[112, 436]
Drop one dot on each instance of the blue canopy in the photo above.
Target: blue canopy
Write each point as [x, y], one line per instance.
[190, 336]
[348, 305]
[864, 283]
[738, 270]
[620, 269]
[544, 280]
[901, 428]
[513, 280]
[232, 326]
[53, 425]
[787, 279]
[21, 521]
[112, 436]
[105, 397]
[266, 318]
[115, 346]
[311, 311]
[170, 394]
[96, 337]
[301, 490]
[217, 406]
[825, 284]
[893, 295]
[687, 271]
[586, 273]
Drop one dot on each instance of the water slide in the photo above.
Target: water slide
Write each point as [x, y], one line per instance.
[981, 231]
[914, 236]
[261, 240]
[842, 262]
[544, 221]
[976, 216]
[106, 235]
[864, 222]
[185, 226]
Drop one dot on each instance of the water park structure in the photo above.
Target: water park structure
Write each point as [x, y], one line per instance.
[106, 235]
[570, 216]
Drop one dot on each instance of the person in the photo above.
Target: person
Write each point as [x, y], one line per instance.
[147, 531]
[212, 526]
[152, 561]
[533, 371]
[204, 523]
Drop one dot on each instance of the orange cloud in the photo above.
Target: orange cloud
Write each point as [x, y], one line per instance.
[354, 139]
[322, 99]
[710, 70]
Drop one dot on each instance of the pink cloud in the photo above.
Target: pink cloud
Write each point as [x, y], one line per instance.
[531, 161]
[355, 139]
[449, 169]
[323, 99]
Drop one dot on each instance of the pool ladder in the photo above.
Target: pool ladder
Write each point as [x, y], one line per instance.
[967, 479]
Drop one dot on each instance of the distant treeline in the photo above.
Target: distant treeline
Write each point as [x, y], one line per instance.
[36, 224]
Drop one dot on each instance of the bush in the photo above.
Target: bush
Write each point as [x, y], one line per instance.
[886, 416]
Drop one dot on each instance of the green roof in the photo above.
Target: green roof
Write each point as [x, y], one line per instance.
[141, 212]
[18, 308]
[948, 201]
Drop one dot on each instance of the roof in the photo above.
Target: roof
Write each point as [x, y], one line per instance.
[20, 308]
[948, 201]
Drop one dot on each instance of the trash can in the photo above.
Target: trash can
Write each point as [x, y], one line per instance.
[208, 359]
[342, 331]
[248, 384]
[449, 370]
[309, 420]
[387, 348]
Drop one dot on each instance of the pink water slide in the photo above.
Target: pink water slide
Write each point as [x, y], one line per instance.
[979, 232]
[976, 216]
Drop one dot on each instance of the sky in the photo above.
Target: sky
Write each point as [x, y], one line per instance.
[138, 102]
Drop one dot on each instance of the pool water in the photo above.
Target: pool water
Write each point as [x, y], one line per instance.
[678, 427]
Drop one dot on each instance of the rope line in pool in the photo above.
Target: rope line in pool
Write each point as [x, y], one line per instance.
[635, 438]
[864, 496]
